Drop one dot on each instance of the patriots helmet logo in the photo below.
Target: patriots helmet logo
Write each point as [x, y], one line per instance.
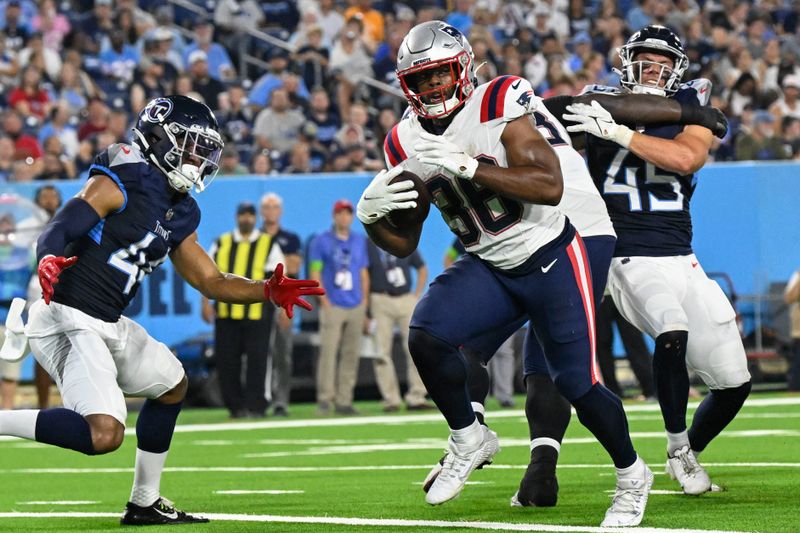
[157, 110]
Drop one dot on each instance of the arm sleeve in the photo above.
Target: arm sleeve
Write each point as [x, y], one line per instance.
[75, 220]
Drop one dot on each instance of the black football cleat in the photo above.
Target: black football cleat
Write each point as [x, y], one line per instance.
[162, 512]
[539, 486]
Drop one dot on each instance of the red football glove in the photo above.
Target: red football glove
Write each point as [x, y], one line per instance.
[50, 268]
[286, 292]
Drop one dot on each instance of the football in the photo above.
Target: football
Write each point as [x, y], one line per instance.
[406, 218]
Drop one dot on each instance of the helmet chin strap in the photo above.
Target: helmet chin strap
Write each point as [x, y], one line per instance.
[184, 179]
[437, 109]
[644, 89]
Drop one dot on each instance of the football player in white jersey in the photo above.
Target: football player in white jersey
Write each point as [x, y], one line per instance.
[647, 178]
[496, 181]
[548, 413]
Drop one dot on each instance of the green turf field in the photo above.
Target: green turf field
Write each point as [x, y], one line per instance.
[363, 474]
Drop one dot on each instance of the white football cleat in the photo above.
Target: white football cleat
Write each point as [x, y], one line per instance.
[630, 498]
[433, 474]
[683, 466]
[458, 465]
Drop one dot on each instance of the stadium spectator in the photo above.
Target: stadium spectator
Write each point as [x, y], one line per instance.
[61, 127]
[349, 63]
[15, 29]
[236, 117]
[299, 159]
[220, 66]
[96, 119]
[9, 66]
[323, 117]
[94, 26]
[233, 18]
[74, 87]
[202, 82]
[29, 98]
[262, 89]
[119, 60]
[119, 126]
[25, 146]
[261, 164]
[165, 51]
[36, 54]
[278, 126]
[761, 141]
[788, 104]
[372, 21]
[230, 163]
[149, 82]
[790, 136]
[330, 20]
[338, 259]
[312, 59]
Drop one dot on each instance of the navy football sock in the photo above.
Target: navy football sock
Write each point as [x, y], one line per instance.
[64, 428]
[602, 414]
[672, 379]
[547, 411]
[156, 424]
[444, 372]
[714, 413]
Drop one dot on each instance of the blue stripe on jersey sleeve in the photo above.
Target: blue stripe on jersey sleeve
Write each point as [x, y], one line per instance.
[113, 175]
[96, 233]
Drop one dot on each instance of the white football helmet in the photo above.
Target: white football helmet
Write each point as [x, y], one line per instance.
[429, 46]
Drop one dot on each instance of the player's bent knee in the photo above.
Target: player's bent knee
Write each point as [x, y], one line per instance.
[177, 393]
[672, 344]
[107, 433]
[425, 348]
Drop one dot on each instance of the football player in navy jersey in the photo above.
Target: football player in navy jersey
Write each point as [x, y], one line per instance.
[647, 177]
[134, 211]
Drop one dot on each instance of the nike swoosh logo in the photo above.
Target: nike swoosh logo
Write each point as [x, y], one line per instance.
[515, 84]
[546, 269]
[173, 515]
[694, 265]
[126, 150]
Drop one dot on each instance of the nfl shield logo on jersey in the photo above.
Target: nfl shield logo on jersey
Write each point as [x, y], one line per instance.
[169, 215]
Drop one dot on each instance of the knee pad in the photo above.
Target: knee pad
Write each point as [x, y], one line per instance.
[671, 346]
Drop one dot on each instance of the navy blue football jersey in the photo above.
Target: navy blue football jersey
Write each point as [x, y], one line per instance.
[649, 206]
[128, 244]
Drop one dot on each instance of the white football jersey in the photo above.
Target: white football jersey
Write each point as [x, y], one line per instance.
[581, 202]
[501, 231]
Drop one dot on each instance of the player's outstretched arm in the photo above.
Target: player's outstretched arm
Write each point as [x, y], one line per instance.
[644, 109]
[199, 270]
[683, 155]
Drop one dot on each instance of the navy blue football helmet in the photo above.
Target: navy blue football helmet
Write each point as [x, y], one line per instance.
[180, 136]
[659, 40]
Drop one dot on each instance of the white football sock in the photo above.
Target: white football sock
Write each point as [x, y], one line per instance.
[631, 471]
[19, 423]
[147, 477]
[468, 438]
[478, 408]
[676, 441]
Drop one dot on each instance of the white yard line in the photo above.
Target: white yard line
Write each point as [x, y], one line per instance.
[409, 419]
[435, 444]
[237, 492]
[60, 502]
[384, 522]
[358, 468]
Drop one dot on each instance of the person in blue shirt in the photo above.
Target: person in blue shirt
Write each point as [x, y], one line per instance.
[338, 260]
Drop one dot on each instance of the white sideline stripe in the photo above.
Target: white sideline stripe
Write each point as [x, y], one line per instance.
[384, 522]
[360, 468]
[237, 492]
[467, 483]
[437, 444]
[60, 502]
[409, 419]
[654, 491]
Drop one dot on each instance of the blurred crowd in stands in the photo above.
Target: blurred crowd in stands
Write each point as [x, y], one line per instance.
[287, 78]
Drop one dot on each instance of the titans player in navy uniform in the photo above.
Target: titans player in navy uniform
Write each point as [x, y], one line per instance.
[134, 211]
[647, 178]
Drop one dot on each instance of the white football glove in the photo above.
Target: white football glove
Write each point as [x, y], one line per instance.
[596, 120]
[380, 198]
[437, 151]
